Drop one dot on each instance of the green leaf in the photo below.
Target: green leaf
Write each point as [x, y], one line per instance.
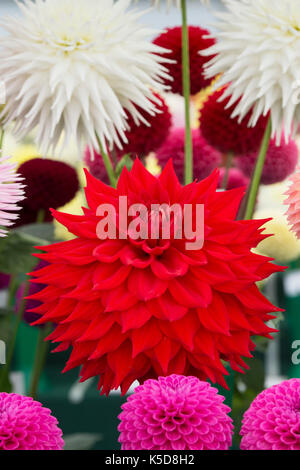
[254, 378]
[5, 383]
[16, 254]
[42, 234]
[81, 441]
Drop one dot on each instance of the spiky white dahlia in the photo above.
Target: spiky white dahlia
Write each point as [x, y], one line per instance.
[258, 54]
[77, 67]
[11, 192]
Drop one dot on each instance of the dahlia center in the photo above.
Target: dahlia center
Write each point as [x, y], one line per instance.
[71, 44]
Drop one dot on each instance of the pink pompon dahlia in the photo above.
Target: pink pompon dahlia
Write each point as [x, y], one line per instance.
[135, 306]
[273, 420]
[206, 158]
[293, 202]
[175, 413]
[11, 192]
[281, 161]
[199, 40]
[26, 425]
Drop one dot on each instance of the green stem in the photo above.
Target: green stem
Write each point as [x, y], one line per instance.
[40, 216]
[11, 290]
[12, 344]
[39, 360]
[229, 160]
[186, 80]
[108, 164]
[256, 178]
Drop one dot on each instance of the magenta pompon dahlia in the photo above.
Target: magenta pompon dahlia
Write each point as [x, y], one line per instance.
[281, 161]
[175, 413]
[205, 157]
[26, 425]
[273, 420]
[134, 308]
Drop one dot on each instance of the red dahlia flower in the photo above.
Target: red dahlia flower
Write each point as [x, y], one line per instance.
[198, 41]
[141, 308]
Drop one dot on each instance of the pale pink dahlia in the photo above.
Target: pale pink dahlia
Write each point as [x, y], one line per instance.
[11, 192]
[26, 425]
[293, 201]
[175, 413]
[273, 420]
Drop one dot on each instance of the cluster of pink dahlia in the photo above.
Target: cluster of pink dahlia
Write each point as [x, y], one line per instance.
[138, 308]
[206, 158]
[281, 161]
[273, 420]
[26, 425]
[175, 413]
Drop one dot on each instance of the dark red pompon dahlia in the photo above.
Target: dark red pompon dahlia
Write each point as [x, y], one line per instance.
[134, 307]
[150, 133]
[48, 183]
[142, 138]
[171, 39]
[225, 133]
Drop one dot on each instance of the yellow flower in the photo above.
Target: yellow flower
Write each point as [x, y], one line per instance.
[25, 152]
[152, 165]
[199, 101]
[283, 246]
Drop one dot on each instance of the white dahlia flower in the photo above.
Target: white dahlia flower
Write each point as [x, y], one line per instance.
[11, 192]
[258, 54]
[75, 67]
